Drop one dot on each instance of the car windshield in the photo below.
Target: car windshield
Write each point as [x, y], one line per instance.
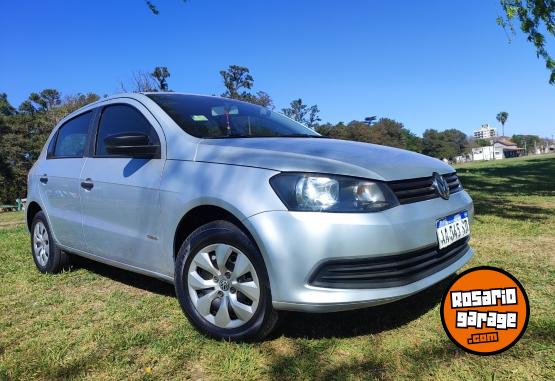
[213, 118]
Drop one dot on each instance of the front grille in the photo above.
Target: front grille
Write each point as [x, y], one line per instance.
[387, 271]
[420, 189]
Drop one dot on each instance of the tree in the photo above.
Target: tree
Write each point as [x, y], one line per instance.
[23, 134]
[482, 142]
[142, 82]
[262, 98]
[6, 108]
[445, 144]
[46, 99]
[527, 141]
[6, 171]
[388, 132]
[325, 129]
[302, 113]
[535, 16]
[412, 141]
[313, 116]
[458, 138]
[502, 118]
[355, 130]
[237, 80]
[385, 131]
[43, 101]
[160, 74]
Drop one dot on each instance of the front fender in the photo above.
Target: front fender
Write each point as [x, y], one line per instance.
[241, 191]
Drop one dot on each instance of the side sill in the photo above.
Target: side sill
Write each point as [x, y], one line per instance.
[123, 266]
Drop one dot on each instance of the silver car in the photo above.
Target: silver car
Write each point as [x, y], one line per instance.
[244, 210]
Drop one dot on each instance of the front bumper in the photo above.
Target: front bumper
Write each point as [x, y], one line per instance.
[294, 244]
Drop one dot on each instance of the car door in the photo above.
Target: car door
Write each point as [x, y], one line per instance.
[120, 195]
[59, 180]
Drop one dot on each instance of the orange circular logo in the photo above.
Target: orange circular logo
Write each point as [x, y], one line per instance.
[485, 310]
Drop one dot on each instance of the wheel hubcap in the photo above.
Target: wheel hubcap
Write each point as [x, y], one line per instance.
[41, 244]
[223, 285]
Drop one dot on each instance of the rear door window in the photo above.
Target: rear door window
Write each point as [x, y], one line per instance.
[52, 145]
[72, 137]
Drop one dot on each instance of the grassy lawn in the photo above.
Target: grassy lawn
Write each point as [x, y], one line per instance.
[100, 323]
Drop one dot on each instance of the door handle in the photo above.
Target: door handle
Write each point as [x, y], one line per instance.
[44, 179]
[87, 184]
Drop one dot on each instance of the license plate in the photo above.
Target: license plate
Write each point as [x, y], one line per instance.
[452, 228]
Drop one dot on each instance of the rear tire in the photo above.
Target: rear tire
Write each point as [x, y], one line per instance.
[48, 257]
[222, 284]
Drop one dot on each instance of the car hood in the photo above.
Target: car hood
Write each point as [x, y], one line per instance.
[321, 155]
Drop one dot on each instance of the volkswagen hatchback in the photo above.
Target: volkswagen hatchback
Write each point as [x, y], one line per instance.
[244, 210]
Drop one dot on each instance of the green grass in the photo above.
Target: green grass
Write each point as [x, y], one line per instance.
[96, 322]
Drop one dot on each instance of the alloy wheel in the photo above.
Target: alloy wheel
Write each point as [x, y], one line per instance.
[41, 244]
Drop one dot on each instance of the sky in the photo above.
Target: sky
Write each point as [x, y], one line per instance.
[427, 64]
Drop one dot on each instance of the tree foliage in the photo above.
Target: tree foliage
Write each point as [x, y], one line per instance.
[160, 74]
[385, 132]
[238, 81]
[482, 142]
[142, 82]
[446, 144]
[534, 17]
[6, 108]
[527, 141]
[302, 113]
[23, 134]
[502, 118]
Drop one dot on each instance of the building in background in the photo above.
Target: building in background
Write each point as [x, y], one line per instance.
[485, 132]
[501, 148]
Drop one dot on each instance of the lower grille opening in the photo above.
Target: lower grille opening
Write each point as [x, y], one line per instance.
[389, 270]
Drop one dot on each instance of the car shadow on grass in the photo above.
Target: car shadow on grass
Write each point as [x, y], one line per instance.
[302, 325]
[531, 178]
[364, 321]
[313, 358]
[315, 361]
[503, 208]
[494, 187]
[125, 277]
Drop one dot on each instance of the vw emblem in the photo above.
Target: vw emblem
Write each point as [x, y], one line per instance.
[224, 284]
[441, 186]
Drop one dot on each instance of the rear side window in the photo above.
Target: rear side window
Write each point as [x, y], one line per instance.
[72, 136]
[52, 145]
[120, 119]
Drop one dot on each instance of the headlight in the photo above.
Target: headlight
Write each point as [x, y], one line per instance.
[331, 193]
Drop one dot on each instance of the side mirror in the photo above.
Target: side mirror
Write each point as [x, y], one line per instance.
[131, 144]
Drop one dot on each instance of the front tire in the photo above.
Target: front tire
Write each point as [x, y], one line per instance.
[48, 257]
[222, 284]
